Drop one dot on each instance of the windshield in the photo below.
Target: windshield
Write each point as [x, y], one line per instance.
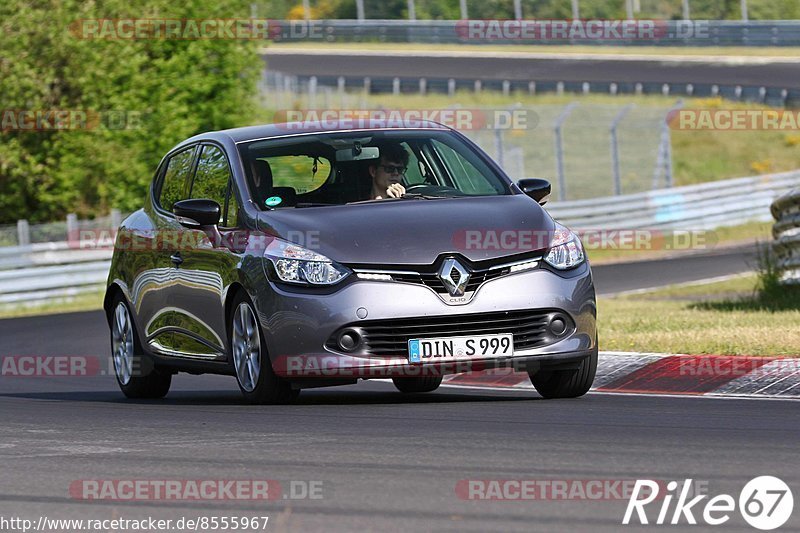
[349, 167]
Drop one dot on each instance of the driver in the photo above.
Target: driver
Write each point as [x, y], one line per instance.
[388, 172]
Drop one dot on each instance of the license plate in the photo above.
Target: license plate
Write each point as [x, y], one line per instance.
[454, 348]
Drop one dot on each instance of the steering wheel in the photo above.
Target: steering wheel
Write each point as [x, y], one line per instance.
[418, 186]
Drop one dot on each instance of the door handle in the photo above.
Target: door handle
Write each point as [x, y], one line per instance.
[176, 258]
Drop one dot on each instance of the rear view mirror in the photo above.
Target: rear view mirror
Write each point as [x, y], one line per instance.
[536, 188]
[197, 213]
[358, 153]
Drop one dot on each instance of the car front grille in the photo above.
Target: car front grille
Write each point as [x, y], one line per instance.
[431, 279]
[390, 337]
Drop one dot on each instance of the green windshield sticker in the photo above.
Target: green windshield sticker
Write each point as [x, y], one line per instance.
[272, 201]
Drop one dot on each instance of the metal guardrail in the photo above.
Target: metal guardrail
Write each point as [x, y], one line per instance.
[43, 271]
[694, 207]
[669, 33]
[786, 232]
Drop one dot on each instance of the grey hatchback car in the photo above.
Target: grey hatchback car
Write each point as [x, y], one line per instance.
[293, 256]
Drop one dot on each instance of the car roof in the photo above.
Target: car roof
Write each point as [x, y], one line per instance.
[282, 129]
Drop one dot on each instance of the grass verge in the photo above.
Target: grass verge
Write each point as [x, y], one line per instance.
[90, 301]
[727, 317]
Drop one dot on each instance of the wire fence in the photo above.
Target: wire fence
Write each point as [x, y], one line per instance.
[587, 150]
[23, 233]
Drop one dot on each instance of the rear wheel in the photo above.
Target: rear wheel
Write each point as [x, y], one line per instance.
[135, 378]
[257, 380]
[566, 383]
[417, 384]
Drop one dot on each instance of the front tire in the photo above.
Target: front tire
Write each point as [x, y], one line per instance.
[417, 384]
[566, 383]
[257, 380]
[126, 353]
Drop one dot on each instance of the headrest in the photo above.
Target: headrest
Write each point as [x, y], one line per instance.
[262, 174]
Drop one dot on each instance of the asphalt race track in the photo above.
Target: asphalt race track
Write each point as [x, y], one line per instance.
[776, 74]
[386, 462]
[635, 275]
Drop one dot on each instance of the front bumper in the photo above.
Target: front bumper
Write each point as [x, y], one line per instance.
[297, 324]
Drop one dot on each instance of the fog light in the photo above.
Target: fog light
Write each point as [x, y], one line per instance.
[349, 340]
[558, 325]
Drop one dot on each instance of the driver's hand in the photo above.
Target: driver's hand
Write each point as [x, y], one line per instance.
[395, 190]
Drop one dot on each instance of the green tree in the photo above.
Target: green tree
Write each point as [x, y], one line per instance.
[167, 90]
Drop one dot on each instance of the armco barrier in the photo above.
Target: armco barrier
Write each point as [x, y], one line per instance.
[49, 270]
[671, 33]
[786, 231]
[698, 207]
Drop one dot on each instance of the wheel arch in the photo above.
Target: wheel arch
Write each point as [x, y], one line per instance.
[112, 292]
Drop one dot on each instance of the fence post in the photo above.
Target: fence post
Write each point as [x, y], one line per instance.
[464, 12]
[412, 10]
[312, 92]
[562, 181]
[664, 160]
[360, 10]
[116, 219]
[72, 226]
[498, 146]
[615, 148]
[23, 233]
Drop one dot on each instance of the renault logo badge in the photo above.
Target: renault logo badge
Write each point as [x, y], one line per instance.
[454, 276]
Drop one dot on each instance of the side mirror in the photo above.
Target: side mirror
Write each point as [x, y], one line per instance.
[536, 188]
[197, 213]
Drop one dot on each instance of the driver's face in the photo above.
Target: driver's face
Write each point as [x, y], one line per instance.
[387, 173]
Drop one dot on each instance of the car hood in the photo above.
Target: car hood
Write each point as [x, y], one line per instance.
[396, 232]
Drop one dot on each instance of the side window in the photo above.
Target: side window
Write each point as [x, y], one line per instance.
[212, 178]
[416, 168]
[468, 178]
[173, 186]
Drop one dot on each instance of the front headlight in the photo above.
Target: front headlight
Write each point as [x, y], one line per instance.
[294, 264]
[566, 250]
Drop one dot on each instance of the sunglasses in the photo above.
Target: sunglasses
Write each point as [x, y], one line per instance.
[391, 169]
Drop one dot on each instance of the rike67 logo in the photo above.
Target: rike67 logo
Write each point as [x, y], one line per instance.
[765, 503]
